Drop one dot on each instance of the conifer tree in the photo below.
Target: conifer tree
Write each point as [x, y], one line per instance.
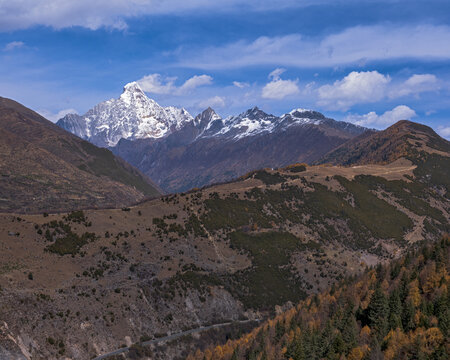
[235, 355]
[349, 330]
[408, 316]
[378, 310]
[395, 310]
[326, 339]
[442, 312]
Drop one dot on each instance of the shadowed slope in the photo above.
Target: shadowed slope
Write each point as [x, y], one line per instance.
[43, 167]
[403, 139]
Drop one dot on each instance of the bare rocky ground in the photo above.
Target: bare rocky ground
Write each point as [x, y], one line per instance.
[189, 260]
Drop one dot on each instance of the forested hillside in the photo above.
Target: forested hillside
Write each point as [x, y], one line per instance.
[396, 311]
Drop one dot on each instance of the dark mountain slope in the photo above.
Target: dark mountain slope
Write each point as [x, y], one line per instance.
[415, 142]
[403, 139]
[45, 168]
[191, 158]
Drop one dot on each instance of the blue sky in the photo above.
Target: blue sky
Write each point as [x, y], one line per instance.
[369, 62]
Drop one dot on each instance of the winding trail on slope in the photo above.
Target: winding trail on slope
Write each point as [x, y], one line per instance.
[174, 336]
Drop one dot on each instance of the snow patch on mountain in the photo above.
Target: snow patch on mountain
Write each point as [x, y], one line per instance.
[302, 117]
[249, 123]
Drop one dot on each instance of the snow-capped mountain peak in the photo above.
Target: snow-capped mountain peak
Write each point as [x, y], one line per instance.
[132, 87]
[132, 116]
[133, 93]
[250, 122]
[255, 113]
[177, 116]
[301, 116]
[206, 118]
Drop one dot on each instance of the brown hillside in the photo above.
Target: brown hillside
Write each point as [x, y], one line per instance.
[45, 168]
[84, 284]
[403, 139]
[80, 285]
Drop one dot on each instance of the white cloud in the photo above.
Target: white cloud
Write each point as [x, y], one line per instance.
[278, 88]
[214, 102]
[355, 88]
[309, 88]
[54, 117]
[423, 81]
[372, 86]
[21, 14]
[13, 45]
[195, 81]
[275, 75]
[355, 45]
[415, 85]
[66, 13]
[241, 85]
[157, 84]
[444, 131]
[372, 119]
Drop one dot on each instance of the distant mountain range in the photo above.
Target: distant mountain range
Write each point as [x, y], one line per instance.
[180, 152]
[44, 168]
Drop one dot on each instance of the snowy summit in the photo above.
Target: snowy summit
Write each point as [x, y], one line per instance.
[132, 116]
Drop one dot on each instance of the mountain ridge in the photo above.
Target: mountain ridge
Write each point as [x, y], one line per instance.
[103, 125]
[386, 146]
[195, 157]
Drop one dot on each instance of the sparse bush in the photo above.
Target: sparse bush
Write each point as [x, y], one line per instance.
[138, 351]
[296, 168]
